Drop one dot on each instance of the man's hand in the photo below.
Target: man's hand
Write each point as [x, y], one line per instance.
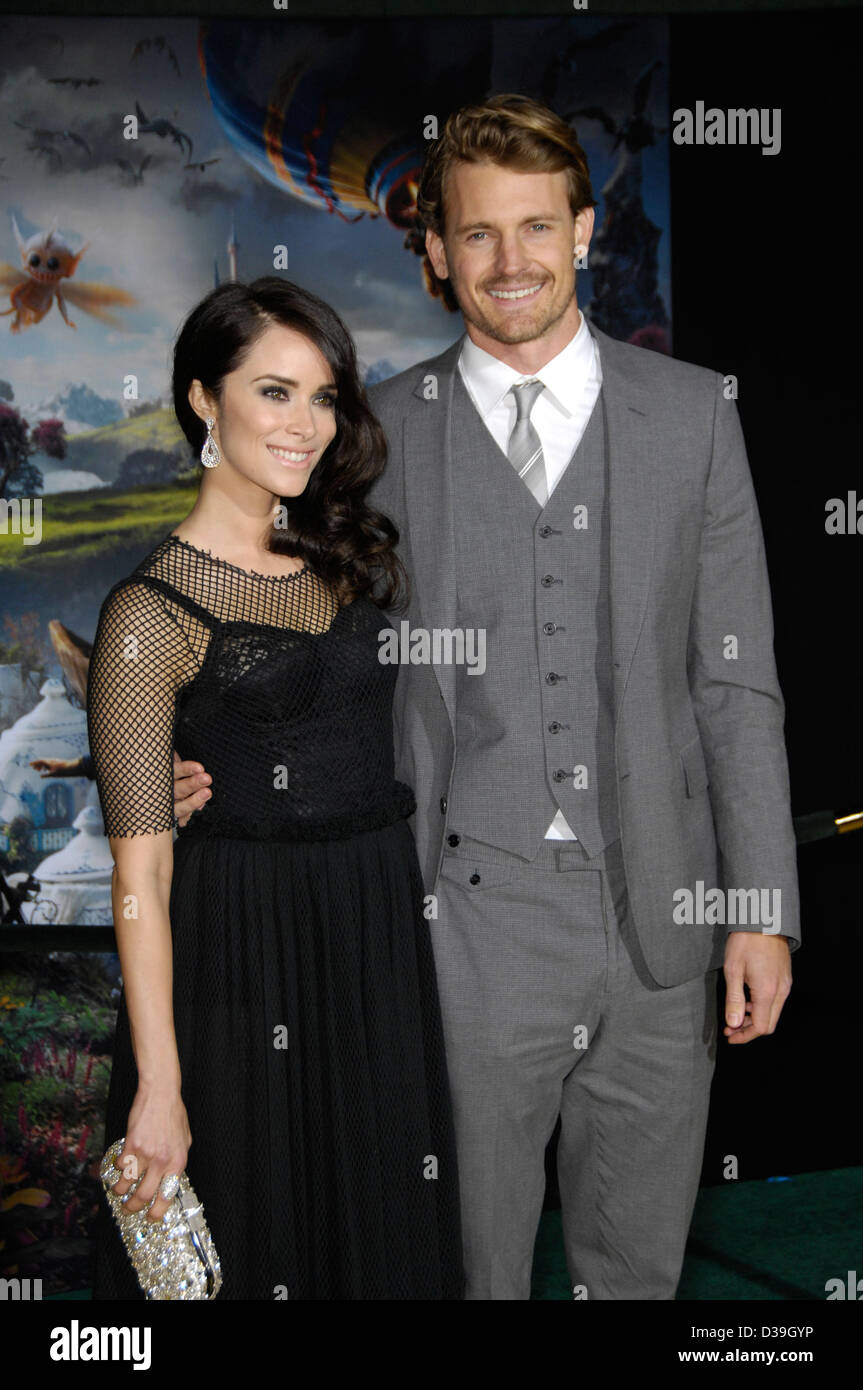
[191, 788]
[764, 964]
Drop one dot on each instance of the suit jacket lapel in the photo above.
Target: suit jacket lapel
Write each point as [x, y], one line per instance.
[632, 451]
[429, 503]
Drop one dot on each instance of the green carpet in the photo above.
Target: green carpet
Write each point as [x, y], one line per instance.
[749, 1240]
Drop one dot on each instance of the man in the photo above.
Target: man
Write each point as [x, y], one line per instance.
[584, 508]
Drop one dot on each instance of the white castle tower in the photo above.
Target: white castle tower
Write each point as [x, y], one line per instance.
[233, 248]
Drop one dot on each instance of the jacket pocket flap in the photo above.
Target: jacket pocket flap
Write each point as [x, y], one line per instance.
[476, 874]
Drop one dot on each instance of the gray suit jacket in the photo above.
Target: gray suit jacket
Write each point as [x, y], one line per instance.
[702, 771]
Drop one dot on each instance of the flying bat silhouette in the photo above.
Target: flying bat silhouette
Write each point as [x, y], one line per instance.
[76, 82]
[161, 45]
[636, 130]
[43, 134]
[204, 163]
[136, 175]
[567, 60]
[161, 127]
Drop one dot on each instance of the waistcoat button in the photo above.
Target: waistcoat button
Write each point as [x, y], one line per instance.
[453, 840]
[552, 678]
[474, 878]
[554, 727]
[549, 628]
[443, 805]
[545, 531]
[561, 775]
[547, 581]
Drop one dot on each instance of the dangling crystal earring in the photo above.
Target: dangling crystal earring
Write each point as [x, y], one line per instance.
[210, 456]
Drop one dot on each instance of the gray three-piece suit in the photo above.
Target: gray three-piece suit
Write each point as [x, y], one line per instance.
[629, 681]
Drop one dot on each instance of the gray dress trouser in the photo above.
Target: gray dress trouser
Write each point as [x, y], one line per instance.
[549, 1010]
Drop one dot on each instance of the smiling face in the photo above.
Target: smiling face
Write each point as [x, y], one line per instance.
[276, 415]
[507, 249]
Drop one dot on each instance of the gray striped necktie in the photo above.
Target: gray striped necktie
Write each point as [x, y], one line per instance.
[524, 450]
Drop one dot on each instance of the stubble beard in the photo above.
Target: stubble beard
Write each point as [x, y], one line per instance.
[527, 332]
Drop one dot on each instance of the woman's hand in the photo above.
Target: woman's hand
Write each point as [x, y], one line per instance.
[157, 1145]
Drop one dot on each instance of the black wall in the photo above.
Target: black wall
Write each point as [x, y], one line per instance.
[766, 267]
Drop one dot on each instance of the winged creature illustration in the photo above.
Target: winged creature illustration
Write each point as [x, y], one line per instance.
[46, 260]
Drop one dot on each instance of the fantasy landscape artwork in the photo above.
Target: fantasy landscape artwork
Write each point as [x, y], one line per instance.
[141, 163]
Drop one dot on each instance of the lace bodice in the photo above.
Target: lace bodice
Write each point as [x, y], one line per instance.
[264, 679]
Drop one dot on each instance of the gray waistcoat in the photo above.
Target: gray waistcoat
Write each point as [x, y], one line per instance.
[535, 730]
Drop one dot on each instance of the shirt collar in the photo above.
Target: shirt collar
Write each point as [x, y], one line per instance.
[564, 377]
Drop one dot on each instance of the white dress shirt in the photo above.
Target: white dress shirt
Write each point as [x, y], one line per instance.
[572, 381]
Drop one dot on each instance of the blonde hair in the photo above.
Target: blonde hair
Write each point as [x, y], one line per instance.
[511, 130]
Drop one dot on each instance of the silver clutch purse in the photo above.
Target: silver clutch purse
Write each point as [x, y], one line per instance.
[173, 1258]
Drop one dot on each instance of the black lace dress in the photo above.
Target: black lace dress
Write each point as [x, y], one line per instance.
[305, 998]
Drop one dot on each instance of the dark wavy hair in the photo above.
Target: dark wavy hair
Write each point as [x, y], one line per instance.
[330, 526]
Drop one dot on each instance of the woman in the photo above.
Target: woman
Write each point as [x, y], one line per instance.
[280, 1008]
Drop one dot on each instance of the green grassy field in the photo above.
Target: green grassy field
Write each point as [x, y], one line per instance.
[80, 526]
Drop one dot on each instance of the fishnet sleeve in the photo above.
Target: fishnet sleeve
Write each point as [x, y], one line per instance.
[139, 661]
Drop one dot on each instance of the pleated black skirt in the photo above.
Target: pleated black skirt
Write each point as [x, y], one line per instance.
[313, 1072]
